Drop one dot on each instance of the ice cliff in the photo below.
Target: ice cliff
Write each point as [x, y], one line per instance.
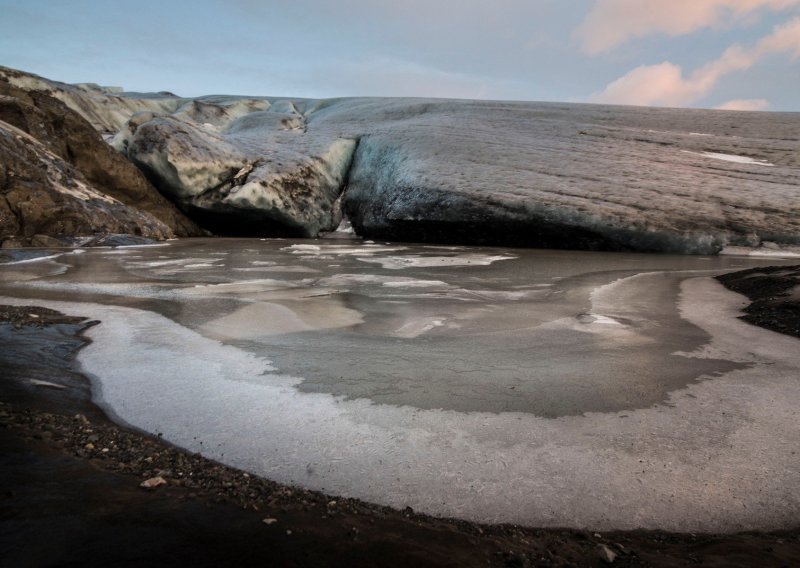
[532, 174]
[239, 172]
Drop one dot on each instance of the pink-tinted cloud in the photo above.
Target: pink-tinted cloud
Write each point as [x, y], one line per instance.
[612, 22]
[745, 104]
[665, 84]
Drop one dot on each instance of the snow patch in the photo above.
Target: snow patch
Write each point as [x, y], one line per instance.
[417, 261]
[732, 158]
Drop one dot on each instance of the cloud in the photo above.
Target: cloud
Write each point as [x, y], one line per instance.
[612, 22]
[745, 104]
[664, 84]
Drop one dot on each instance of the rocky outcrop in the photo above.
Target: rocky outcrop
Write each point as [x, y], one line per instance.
[59, 179]
[43, 197]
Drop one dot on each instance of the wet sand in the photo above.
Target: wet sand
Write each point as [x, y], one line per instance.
[66, 500]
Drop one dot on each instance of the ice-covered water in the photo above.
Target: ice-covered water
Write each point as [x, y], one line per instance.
[539, 387]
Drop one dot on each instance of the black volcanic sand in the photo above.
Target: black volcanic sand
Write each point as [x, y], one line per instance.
[775, 295]
[71, 495]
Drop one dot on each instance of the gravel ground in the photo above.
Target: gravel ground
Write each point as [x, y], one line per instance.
[775, 295]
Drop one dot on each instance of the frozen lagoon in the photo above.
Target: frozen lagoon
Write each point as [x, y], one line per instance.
[547, 388]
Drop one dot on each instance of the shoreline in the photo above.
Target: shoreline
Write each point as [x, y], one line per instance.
[45, 428]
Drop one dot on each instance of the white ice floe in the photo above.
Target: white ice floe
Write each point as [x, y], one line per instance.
[303, 249]
[143, 245]
[417, 261]
[177, 262]
[278, 268]
[411, 283]
[417, 327]
[346, 279]
[763, 251]
[365, 249]
[597, 319]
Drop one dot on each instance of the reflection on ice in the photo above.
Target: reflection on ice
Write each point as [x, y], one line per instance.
[304, 269]
[385, 281]
[363, 249]
[261, 319]
[420, 261]
[418, 327]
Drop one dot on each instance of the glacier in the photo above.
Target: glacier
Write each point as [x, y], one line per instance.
[551, 175]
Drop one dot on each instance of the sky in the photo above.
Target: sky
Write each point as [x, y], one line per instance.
[734, 54]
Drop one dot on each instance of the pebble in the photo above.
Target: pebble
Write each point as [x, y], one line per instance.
[269, 521]
[153, 482]
[606, 554]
